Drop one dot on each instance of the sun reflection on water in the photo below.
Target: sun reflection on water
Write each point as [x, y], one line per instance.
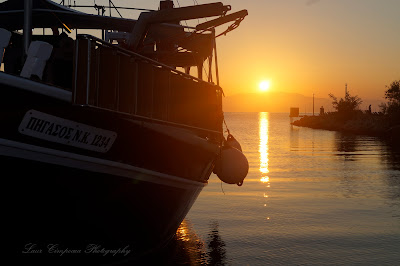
[263, 149]
[182, 232]
[263, 146]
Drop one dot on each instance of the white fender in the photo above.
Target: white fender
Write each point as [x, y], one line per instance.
[232, 166]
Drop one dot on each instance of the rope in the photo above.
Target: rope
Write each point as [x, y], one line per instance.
[227, 129]
[59, 20]
[111, 2]
[179, 5]
[231, 27]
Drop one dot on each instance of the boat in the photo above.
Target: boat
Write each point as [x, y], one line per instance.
[107, 138]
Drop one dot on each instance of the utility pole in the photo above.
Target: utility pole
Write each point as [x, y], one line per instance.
[313, 104]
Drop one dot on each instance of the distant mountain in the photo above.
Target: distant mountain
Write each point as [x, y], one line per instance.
[282, 102]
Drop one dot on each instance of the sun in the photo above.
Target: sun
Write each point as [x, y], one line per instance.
[264, 85]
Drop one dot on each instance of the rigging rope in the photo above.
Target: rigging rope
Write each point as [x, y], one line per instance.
[231, 27]
[222, 188]
[227, 129]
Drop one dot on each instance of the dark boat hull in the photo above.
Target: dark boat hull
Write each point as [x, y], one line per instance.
[76, 202]
[165, 148]
[131, 196]
[76, 209]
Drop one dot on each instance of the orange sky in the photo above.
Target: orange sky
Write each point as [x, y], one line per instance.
[309, 46]
[305, 46]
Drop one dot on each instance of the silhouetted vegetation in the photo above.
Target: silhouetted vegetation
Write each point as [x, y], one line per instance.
[349, 118]
[347, 105]
[392, 108]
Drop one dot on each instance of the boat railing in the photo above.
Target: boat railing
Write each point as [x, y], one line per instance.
[111, 77]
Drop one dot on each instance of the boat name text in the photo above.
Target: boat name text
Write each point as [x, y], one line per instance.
[56, 129]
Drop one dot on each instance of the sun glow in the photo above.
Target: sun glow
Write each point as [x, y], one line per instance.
[264, 85]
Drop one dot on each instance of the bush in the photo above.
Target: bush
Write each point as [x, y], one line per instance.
[346, 107]
[392, 108]
[393, 92]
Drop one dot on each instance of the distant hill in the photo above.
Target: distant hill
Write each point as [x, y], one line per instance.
[282, 101]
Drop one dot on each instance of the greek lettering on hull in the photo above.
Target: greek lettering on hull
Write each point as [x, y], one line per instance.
[56, 129]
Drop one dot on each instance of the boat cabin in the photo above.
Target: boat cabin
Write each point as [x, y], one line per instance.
[132, 68]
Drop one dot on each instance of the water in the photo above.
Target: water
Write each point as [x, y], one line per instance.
[312, 197]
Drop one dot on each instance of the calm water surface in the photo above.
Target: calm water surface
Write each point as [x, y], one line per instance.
[312, 197]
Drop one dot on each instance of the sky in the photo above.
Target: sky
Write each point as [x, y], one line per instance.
[308, 46]
[304, 46]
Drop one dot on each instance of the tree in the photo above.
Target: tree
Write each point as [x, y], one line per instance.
[347, 105]
[393, 92]
[392, 108]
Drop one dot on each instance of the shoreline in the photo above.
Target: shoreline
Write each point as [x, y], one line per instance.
[376, 125]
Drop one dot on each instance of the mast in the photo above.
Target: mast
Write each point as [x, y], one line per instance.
[27, 25]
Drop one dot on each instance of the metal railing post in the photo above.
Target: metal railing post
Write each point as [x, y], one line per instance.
[76, 67]
[216, 58]
[117, 89]
[136, 85]
[152, 92]
[88, 71]
[97, 89]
